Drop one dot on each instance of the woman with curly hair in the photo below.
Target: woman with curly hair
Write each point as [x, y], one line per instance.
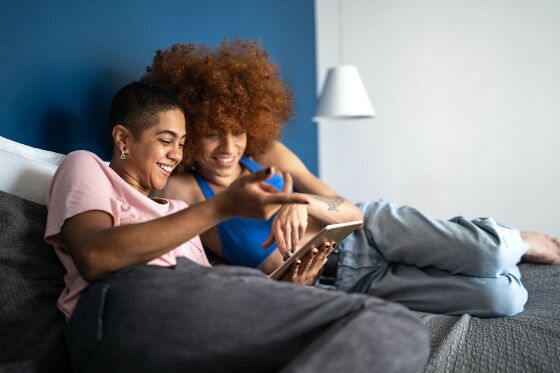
[235, 105]
[140, 295]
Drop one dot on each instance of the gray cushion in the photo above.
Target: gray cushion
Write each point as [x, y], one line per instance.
[31, 278]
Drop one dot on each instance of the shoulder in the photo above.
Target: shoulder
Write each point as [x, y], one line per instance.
[83, 167]
[183, 187]
[276, 148]
[82, 156]
[284, 160]
[78, 164]
[81, 161]
[276, 155]
[81, 183]
[281, 157]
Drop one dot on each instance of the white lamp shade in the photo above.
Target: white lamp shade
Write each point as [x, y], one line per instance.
[344, 95]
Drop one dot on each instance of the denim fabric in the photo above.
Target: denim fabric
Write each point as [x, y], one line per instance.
[451, 266]
[231, 319]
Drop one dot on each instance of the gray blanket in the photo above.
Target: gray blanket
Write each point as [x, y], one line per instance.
[528, 342]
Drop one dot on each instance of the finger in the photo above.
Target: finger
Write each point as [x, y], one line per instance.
[268, 188]
[318, 257]
[264, 174]
[327, 246]
[295, 238]
[311, 260]
[269, 241]
[302, 230]
[326, 249]
[287, 234]
[288, 183]
[295, 270]
[315, 271]
[308, 259]
[279, 238]
[285, 198]
[330, 248]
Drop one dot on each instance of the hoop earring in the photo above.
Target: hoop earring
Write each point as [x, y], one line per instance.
[123, 155]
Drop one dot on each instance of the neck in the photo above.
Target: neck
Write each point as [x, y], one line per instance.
[222, 181]
[117, 166]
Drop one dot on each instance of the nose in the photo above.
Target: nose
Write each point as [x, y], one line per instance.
[227, 143]
[176, 152]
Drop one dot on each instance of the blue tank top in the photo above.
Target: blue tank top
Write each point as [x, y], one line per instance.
[241, 238]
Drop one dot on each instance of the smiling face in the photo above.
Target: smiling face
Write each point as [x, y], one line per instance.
[219, 154]
[153, 154]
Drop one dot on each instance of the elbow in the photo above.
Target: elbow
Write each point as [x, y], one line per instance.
[356, 213]
[349, 211]
[359, 216]
[91, 274]
[90, 266]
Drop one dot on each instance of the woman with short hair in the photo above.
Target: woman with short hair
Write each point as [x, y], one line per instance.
[140, 295]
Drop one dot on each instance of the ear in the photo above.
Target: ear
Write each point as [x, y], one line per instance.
[120, 137]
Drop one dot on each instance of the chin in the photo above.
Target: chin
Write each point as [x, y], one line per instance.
[159, 186]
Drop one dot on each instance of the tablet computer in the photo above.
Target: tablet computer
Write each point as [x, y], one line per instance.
[332, 232]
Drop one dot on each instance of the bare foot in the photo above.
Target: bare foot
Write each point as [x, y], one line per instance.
[542, 248]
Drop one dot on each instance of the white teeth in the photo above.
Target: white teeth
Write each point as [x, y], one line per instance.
[225, 160]
[165, 167]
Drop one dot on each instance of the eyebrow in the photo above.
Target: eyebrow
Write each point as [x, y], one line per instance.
[169, 132]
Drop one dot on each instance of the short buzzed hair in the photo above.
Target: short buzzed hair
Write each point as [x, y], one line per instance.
[137, 106]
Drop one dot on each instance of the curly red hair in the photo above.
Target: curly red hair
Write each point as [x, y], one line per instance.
[231, 88]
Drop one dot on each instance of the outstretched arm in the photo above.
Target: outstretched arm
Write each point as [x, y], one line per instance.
[98, 248]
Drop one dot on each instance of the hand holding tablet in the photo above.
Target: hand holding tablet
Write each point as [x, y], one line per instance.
[332, 232]
[305, 271]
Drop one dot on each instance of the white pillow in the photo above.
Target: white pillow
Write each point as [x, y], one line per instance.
[27, 171]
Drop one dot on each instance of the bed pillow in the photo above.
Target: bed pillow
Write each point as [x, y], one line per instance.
[27, 171]
[31, 279]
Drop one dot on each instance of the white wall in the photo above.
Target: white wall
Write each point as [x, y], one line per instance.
[467, 95]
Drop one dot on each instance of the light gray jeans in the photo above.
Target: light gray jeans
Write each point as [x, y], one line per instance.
[451, 266]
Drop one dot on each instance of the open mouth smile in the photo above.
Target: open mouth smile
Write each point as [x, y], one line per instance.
[165, 167]
[225, 161]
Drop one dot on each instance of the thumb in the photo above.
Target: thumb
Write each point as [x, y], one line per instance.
[269, 241]
[261, 175]
[288, 182]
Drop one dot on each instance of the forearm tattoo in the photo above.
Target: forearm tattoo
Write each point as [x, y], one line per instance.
[331, 202]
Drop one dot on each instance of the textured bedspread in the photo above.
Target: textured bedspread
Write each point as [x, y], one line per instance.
[528, 342]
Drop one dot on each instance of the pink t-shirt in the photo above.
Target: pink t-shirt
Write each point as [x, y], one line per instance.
[83, 182]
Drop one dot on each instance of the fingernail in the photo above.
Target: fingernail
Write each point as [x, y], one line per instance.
[327, 244]
[333, 245]
[268, 171]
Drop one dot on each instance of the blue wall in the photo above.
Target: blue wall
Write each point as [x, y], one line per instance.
[62, 60]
